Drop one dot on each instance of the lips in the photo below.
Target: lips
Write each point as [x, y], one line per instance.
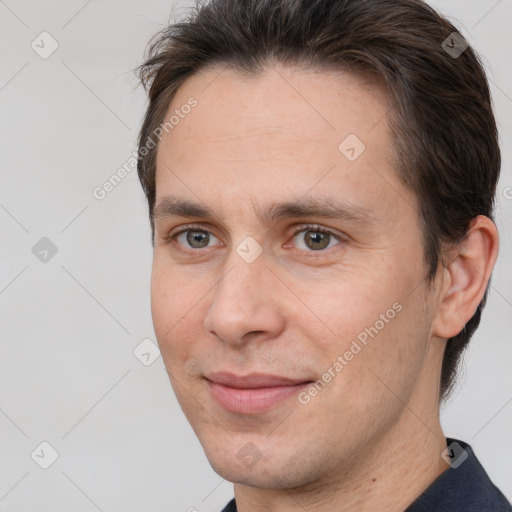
[253, 393]
[253, 380]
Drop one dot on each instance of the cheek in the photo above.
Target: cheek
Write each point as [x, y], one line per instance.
[372, 321]
[347, 305]
[178, 302]
[170, 303]
[383, 342]
[162, 303]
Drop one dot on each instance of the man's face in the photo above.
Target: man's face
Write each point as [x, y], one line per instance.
[243, 293]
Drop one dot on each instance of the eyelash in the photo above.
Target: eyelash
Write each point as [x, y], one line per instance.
[303, 227]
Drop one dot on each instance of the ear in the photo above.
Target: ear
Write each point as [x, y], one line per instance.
[465, 277]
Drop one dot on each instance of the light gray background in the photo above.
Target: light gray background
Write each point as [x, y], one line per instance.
[68, 374]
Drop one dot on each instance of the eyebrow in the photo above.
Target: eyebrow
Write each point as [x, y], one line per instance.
[324, 207]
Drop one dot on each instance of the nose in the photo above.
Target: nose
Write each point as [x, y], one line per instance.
[244, 304]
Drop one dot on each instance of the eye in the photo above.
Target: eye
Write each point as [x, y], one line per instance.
[310, 238]
[314, 238]
[193, 238]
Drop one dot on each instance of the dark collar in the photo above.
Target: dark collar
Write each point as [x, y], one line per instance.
[463, 487]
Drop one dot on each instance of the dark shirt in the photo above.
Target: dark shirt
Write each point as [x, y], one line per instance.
[464, 487]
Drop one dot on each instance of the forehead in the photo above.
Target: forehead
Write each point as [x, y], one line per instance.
[280, 100]
[280, 130]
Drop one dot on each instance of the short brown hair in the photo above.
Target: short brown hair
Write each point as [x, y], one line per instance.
[444, 131]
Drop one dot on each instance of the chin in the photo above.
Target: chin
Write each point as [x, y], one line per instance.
[245, 466]
[260, 477]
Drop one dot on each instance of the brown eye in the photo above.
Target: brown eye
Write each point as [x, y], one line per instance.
[194, 238]
[198, 239]
[316, 240]
[311, 239]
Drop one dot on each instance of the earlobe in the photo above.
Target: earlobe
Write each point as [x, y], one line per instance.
[466, 277]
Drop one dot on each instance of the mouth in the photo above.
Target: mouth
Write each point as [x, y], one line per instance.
[254, 393]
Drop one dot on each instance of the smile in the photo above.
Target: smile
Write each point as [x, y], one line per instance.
[252, 394]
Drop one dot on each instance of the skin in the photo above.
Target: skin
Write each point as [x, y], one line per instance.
[371, 439]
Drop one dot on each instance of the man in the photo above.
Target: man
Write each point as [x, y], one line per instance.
[320, 178]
